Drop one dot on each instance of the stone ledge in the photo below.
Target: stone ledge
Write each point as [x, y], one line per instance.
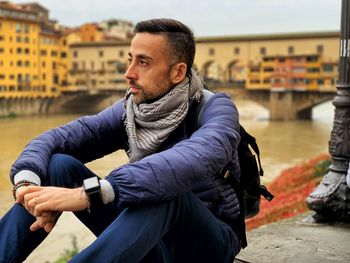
[292, 241]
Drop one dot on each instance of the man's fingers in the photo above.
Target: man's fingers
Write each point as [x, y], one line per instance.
[49, 226]
[39, 209]
[35, 226]
[24, 190]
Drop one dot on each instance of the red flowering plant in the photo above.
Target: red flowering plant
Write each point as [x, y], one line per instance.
[291, 188]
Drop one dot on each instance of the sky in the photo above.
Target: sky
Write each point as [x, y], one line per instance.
[206, 17]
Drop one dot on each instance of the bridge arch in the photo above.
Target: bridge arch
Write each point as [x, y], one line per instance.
[235, 73]
[212, 72]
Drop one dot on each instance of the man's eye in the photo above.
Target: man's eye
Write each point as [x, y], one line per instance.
[143, 63]
[129, 61]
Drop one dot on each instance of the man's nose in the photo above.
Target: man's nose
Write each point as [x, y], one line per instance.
[130, 72]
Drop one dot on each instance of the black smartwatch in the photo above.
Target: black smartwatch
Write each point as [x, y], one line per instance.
[92, 189]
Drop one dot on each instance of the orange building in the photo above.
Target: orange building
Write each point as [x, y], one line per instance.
[296, 72]
[90, 32]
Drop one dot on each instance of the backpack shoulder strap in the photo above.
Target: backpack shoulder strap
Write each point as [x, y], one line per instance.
[199, 107]
[250, 140]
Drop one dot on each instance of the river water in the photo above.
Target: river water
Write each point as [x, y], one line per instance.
[282, 144]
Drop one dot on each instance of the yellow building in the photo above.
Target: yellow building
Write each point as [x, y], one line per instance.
[19, 39]
[98, 66]
[30, 52]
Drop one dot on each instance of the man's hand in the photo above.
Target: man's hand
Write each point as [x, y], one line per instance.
[46, 221]
[46, 203]
[41, 199]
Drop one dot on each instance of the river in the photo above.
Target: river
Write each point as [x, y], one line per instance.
[282, 144]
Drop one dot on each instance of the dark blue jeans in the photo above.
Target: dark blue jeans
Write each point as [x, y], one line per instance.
[181, 230]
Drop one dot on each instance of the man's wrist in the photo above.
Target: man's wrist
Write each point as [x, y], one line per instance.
[27, 175]
[20, 184]
[92, 190]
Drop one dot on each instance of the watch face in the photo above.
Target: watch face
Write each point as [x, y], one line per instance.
[91, 183]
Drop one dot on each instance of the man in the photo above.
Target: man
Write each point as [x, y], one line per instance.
[170, 203]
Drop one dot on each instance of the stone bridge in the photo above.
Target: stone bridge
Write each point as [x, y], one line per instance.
[67, 102]
[282, 105]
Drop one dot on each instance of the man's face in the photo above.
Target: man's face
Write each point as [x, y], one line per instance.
[148, 73]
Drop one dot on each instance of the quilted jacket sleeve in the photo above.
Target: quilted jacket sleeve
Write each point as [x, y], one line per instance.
[86, 138]
[167, 174]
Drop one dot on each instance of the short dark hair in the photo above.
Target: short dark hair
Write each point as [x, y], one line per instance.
[180, 38]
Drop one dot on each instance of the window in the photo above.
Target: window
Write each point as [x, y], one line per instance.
[27, 63]
[290, 50]
[44, 76]
[319, 49]
[75, 66]
[26, 28]
[121, 53]
[54, 65]
[211, 51]
[55, 79]
[26, 40]
[43, 64]
[18, 27]
[312, 59]
[328, 68]
[18, 39]
[43, 52]
[63, 54]
[1, 50]
[19, 50]
[320, 81]
[2, 76]
[101, 53]
[236, 51]
[263, 51]
[75, 54]
[53, 53]
[19, 63]
[27, 51]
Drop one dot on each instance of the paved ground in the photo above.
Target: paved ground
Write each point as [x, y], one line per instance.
[288, 241]
[292, 241]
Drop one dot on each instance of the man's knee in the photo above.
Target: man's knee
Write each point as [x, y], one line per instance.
[59, 162]
[61, 167]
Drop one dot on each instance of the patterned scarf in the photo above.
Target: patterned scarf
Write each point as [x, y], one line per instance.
[148, 125]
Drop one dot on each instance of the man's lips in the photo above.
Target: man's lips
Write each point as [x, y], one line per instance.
[134, 89]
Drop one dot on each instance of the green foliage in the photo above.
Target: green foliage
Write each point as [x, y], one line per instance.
[12, 115]
[321, 168]
[68, 253]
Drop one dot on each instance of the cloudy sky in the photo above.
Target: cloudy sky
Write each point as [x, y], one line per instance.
[206, 17]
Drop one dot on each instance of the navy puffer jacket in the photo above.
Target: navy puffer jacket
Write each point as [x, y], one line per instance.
[183, 163]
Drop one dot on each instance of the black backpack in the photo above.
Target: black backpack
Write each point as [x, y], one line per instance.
[249, 188]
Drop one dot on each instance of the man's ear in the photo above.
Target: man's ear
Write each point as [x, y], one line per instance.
[178, 73]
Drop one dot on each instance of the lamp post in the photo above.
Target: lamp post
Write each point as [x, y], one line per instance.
[331, 199]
